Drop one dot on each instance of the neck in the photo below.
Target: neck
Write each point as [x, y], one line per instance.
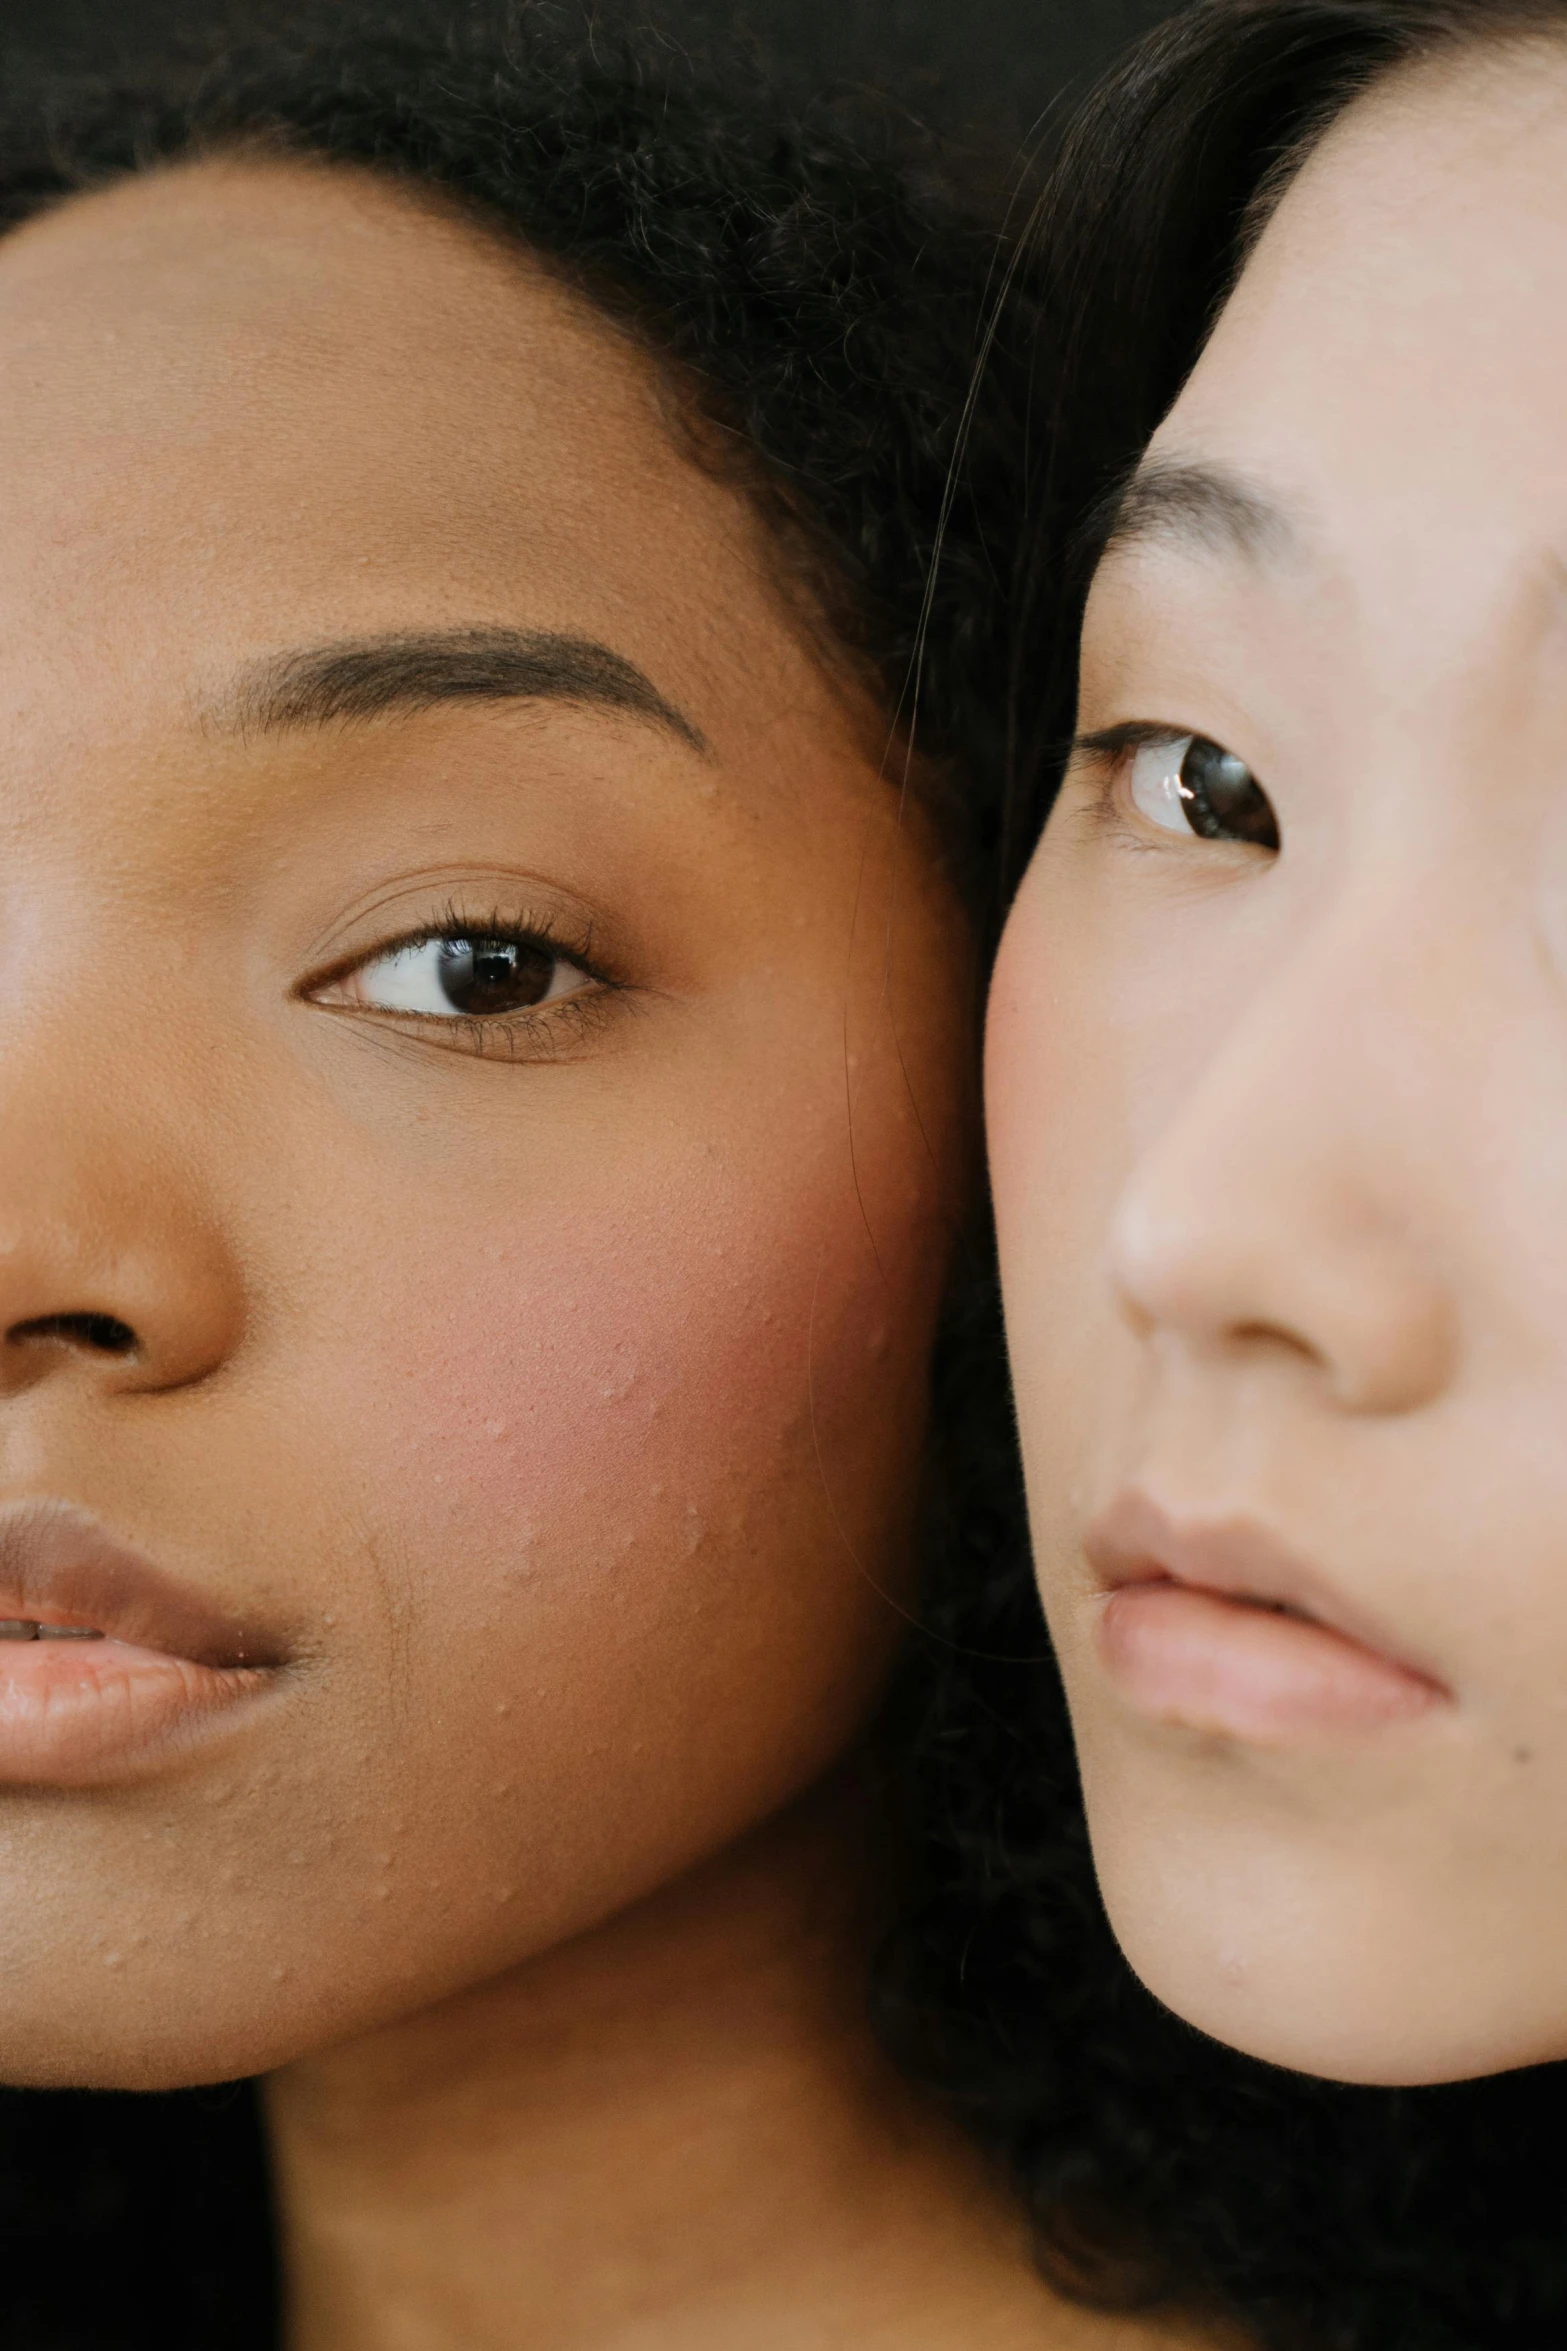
[675, 2131]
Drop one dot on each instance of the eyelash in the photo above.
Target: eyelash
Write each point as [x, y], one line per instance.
[544, 1025]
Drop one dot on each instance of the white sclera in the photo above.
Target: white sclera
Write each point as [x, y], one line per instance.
[1157, 790]
[408, 979]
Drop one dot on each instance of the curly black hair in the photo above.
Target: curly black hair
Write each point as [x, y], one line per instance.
[819, 295]
[1325, 2218]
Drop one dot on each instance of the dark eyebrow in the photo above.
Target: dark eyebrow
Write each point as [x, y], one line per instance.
[370, 677]
[1206, 506]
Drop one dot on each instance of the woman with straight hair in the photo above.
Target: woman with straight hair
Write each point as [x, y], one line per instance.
[1278, 1111]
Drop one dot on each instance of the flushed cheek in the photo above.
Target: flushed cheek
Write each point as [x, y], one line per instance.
[549, 1407]
[588, 1458]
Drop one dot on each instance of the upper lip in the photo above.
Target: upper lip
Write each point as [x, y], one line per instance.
[1137, 1541]
[59, 1565]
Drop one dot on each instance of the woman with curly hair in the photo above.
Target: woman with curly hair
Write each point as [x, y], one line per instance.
[490, 956]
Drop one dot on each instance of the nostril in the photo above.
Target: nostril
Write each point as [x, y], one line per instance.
[105, 1334]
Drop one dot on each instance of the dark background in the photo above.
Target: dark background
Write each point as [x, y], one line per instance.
[993, 63]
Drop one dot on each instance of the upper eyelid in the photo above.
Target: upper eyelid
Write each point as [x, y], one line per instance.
[536, 930]
[465, 894]
[1135, 734]
[522, 934]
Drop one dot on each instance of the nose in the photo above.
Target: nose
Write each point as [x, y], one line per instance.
[1288, 1206]
[111, 1270]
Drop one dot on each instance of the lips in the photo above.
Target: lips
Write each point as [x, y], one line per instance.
[61, 1568]
[107, 1662]
[1220, 1628]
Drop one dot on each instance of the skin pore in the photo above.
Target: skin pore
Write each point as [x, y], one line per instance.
[1278, 1099]
[484, 1107]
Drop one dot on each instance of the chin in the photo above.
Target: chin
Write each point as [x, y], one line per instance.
[1374, 2002]
[121, 2017]
[103, 2054]
[1278, 2030]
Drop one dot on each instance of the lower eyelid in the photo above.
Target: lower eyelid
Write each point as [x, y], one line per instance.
[545, 1033]
[530, 1033]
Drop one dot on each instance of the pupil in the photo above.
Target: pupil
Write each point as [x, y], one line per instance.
[480, 976]
[1226, 801]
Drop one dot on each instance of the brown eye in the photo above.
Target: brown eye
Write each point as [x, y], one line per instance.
[1187, 784]
[460, 975]
[480, 976]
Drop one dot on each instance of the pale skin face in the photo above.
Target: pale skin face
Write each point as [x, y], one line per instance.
[1278, 1098]
[537, 1395]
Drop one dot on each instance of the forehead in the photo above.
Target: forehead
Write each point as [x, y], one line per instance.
[247, 403]
[1403, 321]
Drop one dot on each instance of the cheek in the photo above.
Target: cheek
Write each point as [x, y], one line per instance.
[1062, 1096]
[1029, 1095]
[596, 1401]
[1055, 1128]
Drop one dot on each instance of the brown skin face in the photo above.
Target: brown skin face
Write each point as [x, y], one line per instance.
[539, 1392]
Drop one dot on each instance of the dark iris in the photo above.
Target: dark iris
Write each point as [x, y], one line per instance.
[1223, 799]
[480, 976]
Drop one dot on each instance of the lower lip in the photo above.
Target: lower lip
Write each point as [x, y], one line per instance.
[1240, 1671]
[74, 1713]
